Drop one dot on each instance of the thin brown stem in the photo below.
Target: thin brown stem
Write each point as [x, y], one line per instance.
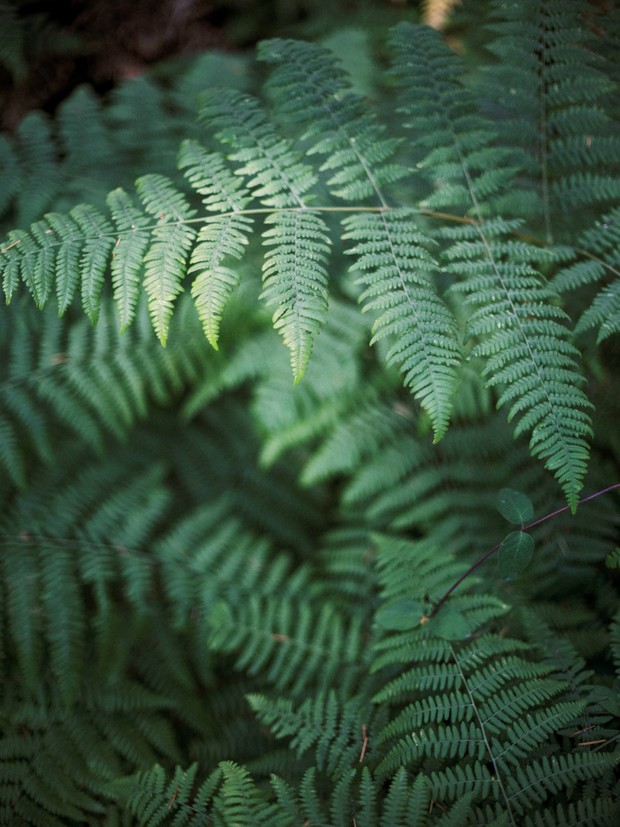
[443, 599]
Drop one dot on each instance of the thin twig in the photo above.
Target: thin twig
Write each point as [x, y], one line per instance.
[495, 548]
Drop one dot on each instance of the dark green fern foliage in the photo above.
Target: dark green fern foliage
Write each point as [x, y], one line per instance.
[222, 559]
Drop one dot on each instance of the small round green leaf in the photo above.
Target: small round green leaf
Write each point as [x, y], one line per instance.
[514, 506]
[400, 615]
[515, 554]
[612, 561]
[450, 624]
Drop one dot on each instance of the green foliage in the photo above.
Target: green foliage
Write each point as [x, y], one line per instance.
[228, 594]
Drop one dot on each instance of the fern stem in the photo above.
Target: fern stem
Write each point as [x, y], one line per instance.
[383, 208]
[487, 745]
[496, 547]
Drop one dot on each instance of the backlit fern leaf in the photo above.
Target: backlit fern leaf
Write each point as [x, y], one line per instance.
[600, 243]
[222, 236]
[94, 258]
[165, 261]
[397, 278]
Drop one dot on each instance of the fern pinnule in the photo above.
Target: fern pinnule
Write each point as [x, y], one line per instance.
[221, 238]
[397, 270]
[295, 280]
[94, 258]
[552, 87]
[132, 239]
[165, 261]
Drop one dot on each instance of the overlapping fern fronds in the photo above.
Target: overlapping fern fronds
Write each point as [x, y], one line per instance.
[229, 597]
[515, 323]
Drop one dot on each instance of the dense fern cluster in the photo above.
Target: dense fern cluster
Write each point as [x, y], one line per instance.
[229, 563]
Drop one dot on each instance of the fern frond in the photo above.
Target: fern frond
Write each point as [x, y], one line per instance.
[10, 173]
[227, 796]
[600, 243]
[601, 810]
[397, 279]
[89, 159]
[40, 180]
[530, 786]
[94, 259]
[551, 87]
[291, 648]
[274, 170]
[295, 281]
[525, 341]
[222, 237]
[329, 728]
[165, 261]
[313, 91]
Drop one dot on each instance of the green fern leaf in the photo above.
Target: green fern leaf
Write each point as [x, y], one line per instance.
[222, 236]
[295, 281]
[523, 334]
[321, 723]
[396, 268]
[41, 178]
[290, 648]
[312, 90]
[95, 255]
[550, 87]
[529, 786]
[128, 253]
[275, 172]
[164, 263]
[64, 618]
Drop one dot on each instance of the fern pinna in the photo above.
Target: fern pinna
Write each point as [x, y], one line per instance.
[235, 596]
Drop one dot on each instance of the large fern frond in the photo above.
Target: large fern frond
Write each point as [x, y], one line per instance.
[422, 332]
